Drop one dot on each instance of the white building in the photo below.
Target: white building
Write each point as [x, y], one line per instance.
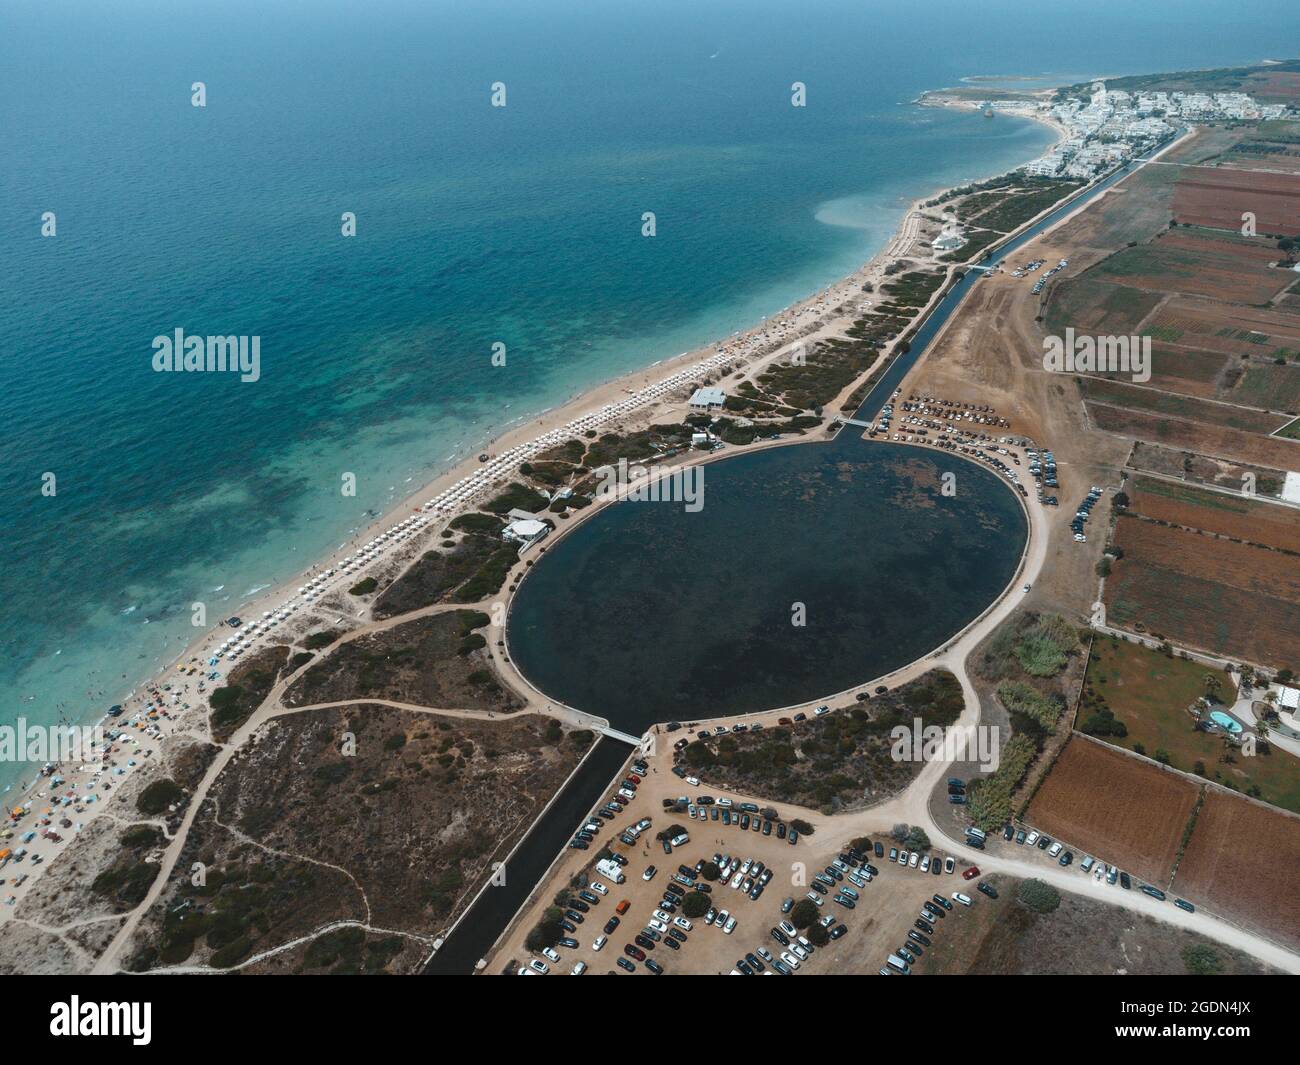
[706, 399]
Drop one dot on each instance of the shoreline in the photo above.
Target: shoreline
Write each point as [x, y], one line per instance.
[179, 699]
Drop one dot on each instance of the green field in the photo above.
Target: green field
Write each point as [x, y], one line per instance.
[1292, 431]
[1149, 692]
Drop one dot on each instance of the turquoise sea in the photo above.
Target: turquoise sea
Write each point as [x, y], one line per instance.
[475, 225]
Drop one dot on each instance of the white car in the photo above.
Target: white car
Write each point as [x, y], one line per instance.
[549, 954]
[790, 959]
[735, 880]
[657, 925]
[1031, 839]
[730, 926]
[963, 899]
[925, 864]
[578, 969]
[598, 887]
[1055, 849]
[788, 929]
[723, 802]
[721, 919]
[798, 951]
[913, 860]
[902, 857]
[682, 923]
[538, 966]
[814, 898]
[661, 915]
[693, 781]
[599, 942]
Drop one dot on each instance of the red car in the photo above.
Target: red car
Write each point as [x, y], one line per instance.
[634, 952]
[971, 873]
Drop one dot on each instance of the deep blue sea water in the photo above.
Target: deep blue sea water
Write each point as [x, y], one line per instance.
[476, 225]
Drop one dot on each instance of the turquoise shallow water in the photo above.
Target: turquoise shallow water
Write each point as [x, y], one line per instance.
[476, 225]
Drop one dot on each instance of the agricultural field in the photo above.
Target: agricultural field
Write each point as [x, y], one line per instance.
[1232, 445]
[1092, 305]
[1241, 862]
[1151, 401]
[1201, 469]
[1192, 262]
[1217, 197]
[1231, 515]
[1233, 329]
[1146, 695]
[1122, 809]
[1188, 371]
[1206, 591]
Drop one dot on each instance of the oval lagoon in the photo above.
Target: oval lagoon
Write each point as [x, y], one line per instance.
[647, 612]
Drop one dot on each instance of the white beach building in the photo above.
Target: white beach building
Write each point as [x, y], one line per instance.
[705, 399]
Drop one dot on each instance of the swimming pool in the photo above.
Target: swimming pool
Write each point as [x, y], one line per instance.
[1224, 721]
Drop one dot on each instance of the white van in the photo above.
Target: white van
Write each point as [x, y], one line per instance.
[898, 964]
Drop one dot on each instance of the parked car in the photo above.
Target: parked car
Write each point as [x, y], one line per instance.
[971, 873]
[988, 890]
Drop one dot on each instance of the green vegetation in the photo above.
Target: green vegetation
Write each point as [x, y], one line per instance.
[990, 797]
[832, 762]
[364, 587]
[696, 904]
[518, 497]
[1038, 895]
[158, 795]
[805, 913]
[1201, 959]
[1044, 650]
[1020, 698]
[547, 932]
[346, 951]
[317, 640]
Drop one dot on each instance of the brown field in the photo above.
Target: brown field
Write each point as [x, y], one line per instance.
[1198, 469]
[1216, 197]
[1233, 329]
[1241, 862]
[1094, 305]
[1188, 371]
[1235, 516]
[1122, 809]
[1150, 400]
[1206, 591]
[1272, 386]
[1231, 444]
[1192, 262]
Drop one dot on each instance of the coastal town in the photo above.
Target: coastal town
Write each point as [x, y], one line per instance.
[605, 697]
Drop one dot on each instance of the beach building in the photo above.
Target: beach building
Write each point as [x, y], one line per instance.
[707, 399]
[949, 240]
[524, 529]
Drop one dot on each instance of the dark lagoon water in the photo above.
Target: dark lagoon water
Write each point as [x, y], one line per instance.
[648, 612]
